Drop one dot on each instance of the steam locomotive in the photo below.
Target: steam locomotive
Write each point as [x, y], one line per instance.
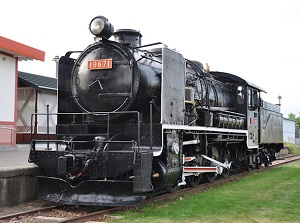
[135, 119]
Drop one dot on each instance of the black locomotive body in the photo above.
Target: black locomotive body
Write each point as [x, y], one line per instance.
[134, 119]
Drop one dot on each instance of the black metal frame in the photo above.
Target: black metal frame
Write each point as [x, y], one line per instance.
[136, 145]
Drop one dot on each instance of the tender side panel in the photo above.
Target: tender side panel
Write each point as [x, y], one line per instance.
[271, 129]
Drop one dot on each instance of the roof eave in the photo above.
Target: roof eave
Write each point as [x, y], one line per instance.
[20, 51]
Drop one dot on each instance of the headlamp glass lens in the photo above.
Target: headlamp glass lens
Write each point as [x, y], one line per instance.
[97, 25]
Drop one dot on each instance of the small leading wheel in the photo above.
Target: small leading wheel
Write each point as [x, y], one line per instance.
[193, 180]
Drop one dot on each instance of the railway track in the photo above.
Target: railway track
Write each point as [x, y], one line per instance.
[30, 212]
[65, 213]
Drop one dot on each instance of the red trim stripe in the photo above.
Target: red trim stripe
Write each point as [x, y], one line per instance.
[195, 169]
[187, 159]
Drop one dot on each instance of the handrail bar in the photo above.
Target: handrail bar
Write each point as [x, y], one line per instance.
[34, 115]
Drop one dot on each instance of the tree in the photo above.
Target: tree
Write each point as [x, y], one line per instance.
[296, 119]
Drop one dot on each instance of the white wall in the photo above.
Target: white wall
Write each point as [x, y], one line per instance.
[7, 88]
[288, 129]
[47, 98]
[25, 108]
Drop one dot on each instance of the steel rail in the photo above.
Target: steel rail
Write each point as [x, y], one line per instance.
[30, 212]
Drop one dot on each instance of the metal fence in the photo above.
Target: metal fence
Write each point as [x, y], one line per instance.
[295, 141]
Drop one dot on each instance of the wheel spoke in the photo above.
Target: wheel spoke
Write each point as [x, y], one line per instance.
[193, 180]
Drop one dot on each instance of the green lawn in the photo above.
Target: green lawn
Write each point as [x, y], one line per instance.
[272, 196]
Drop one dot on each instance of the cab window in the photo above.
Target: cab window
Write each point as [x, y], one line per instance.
[240, 94]
[252, 98]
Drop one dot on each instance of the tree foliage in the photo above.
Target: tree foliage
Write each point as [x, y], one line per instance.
[296, 119]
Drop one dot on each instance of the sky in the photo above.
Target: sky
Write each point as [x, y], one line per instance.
[258, 40]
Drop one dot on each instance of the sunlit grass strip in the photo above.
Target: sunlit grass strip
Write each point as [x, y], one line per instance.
[293, 148]
[272, 196]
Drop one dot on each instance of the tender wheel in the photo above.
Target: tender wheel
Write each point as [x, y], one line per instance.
[257, 166]
[249, 162]
[257, 161]
[248, 167]
[267, 162]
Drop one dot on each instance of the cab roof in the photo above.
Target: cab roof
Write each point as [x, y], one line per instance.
[232, 77]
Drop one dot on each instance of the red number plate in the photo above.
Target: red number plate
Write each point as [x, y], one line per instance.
[100, 64]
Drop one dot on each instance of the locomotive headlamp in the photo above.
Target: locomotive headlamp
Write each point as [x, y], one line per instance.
[100, 27]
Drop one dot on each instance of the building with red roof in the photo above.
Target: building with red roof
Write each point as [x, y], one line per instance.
[11, 52]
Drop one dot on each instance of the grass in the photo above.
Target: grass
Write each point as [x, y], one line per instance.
[293, 148]
[271, 196]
